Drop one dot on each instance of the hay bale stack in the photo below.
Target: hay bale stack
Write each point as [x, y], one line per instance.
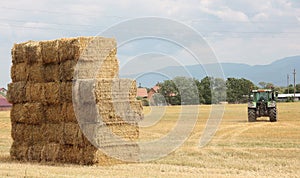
[44, 123]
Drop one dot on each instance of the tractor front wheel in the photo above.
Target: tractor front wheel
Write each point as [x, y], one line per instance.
[251, 115]
[273, 115]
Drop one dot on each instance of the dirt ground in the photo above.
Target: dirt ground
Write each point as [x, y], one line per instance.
[238, 149]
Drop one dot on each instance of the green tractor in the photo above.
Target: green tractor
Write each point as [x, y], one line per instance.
[262, 103]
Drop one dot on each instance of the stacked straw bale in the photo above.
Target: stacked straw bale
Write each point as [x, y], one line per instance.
[45, 112]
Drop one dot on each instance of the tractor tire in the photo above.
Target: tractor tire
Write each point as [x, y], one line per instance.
[251, 115]
[273, 115]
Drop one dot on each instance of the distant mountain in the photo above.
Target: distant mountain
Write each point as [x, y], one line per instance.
[275, 72]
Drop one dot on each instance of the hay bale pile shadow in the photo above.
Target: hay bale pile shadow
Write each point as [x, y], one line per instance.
[95, 124]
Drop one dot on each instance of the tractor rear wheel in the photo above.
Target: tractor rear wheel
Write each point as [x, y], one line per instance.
[251, 115]
[273, 115]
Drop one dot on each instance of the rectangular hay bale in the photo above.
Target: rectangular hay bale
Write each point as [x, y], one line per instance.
[70, 154]
[73, 135]
[17, 92]
[35, 92]
[19, 72]
[68, 49]
[36, 73]
[68, 113]
[32, 52]
[66, 70]
[66, 92]
[53, 114]
[51, 133]
[52, 93]
[18, 53]
[50, 152]
[19, 151]
[51, 73]
[21, 133]
[49, 51]
[34, 152]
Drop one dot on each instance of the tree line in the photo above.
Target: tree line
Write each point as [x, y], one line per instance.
[209, 90]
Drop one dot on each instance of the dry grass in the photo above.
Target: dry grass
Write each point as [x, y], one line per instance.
[239, 149]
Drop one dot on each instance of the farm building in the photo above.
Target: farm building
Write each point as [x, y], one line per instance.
[4, 104]
[284, 97]
[142, 92]
[152, 91]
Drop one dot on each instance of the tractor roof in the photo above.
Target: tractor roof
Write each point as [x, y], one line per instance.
[261, 90]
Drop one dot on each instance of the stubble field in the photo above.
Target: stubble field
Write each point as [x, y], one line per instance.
[238, 149]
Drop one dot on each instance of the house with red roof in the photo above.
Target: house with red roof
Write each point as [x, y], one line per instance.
[4, 104]
[152, 91]
[142, 92]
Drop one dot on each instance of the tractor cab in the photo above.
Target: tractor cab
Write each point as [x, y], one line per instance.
[262, 102]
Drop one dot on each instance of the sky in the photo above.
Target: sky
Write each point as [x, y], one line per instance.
[249, 31]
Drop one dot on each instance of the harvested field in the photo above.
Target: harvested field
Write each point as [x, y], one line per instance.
[239, 149]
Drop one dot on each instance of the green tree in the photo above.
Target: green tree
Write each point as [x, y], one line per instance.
[170, 92]
[238, 89]
[180, 90]
[218, 90]
[205, 89]
[187, 90]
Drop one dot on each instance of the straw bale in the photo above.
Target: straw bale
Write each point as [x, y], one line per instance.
[92, 155]
[28, 113]
[53, 114]
[136, 106]
[85, 73]
[16, 92]
[96, 156]
[52, 93]
[86, 113]
[125, 130]
[70, 154]
[21, 133]
[18, 53]
[50, 152]
[32, 52]
[34, 152]
[85, 91]
[66, 70]
[68, 48]
[73, 135]
[16, 112]
[36, 73]
[44, 124]
[72, 48]
[68, 113]
[114, 111]
[19, 151]
[51, 73]
[97, 49]
[19, 72]
[35, 92]
[49, 51]
[117, 154]
[36, 134]
[106, 106]
[33, 113]
[89, 155]
[110, 134]
[66, 92]
[52, 133]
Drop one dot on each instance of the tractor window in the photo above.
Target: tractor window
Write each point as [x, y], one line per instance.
[262, 96]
